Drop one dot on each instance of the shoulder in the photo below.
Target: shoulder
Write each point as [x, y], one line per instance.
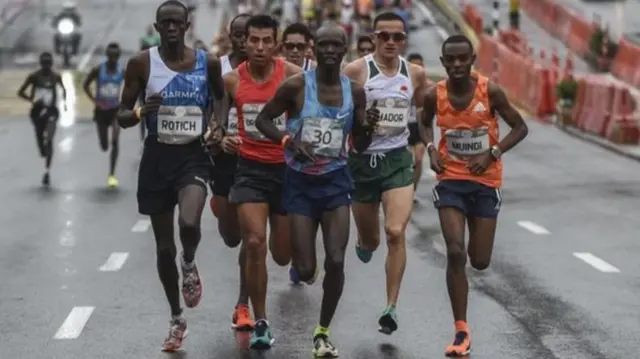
[355, 69]
[139, 60]
[294, 82]
[291, 69]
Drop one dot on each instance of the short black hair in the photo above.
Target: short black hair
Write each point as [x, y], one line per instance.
[113, 45]
[364, 38]
[239, 16]
[46, 54]
[297, 29]
[173, 3]
[415, 56]
[263, 22]
[388, 16]
[457, 39]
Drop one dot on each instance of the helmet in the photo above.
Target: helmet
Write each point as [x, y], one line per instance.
[69, 5]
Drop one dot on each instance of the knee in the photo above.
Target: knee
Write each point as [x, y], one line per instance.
[166, 251]
[456, 255]
[395, 233]
[230, 238]
[334, 263]
[189, 224]
[306, 271]
[114, 143]
[256, 247]
[480, 263]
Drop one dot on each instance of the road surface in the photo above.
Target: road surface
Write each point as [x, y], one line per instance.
[80, 282]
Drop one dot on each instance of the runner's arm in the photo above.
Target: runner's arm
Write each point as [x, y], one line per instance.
[22, 91]
[292, 69]
[283, 101]
[361, 136]
[86, 85]
[64, 89]
[510, 115]
[353, 70]
[425, 124]
[421, 85]
[218, 88]
[221, 118]
[130, 92]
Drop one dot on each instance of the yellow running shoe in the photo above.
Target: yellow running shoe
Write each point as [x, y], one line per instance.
[112, 182]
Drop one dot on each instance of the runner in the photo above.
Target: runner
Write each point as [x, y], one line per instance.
[258, 182]
[174, 168]
[365, 46]
[295, 42]
[225, 170]
[310, 54]
[150, 40]
[320, 105]
[467, 161]
[414, 135]
[44, 111]
[108, 77]
[384, 173]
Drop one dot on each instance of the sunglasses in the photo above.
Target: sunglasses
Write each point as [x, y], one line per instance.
[293, 45]
[365, 49]
[395, 36]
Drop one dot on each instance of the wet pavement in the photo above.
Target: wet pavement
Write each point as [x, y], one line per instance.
[562, 283]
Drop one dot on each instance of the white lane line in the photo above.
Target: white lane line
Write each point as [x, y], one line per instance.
[74, 324]
[596, 262]
[141, 226]
[533, 227]
[114, 262]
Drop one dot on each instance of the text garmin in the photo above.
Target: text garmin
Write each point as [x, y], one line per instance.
[180, 94]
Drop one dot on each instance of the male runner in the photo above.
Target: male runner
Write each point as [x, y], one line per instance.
[44, 110]
[108, 77]
[364, 46]
[295, 41]
[384, 173]
[467, 161]
[414, 135]
[323, 107]
[310, 54]
[225, 170]
[174, 168]
[258, 182]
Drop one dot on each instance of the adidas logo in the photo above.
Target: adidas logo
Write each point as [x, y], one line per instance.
[479, 107]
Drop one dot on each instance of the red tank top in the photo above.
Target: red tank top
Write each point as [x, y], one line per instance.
[250, 98]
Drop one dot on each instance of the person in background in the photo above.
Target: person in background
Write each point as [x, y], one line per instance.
[366, 25]
[310, 53]
[365, 46]
[150, 39]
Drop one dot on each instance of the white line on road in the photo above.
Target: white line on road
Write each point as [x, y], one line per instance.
[114, 262]
[533, 227]
[141, 226]
[74, 324]
[596, 262]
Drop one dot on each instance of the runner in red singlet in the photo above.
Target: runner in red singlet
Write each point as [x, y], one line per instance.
[260, 173]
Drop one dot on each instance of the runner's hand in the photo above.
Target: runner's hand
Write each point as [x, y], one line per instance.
[373, 116]
[151, 105]
[435, 161]
[230, 144]
[479, 163]
[302, 151]
[214, 136]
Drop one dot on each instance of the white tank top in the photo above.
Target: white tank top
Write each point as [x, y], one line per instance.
[307, 65]
[394, 95]
[232, 123]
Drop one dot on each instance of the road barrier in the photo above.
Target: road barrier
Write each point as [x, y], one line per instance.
[626, 64]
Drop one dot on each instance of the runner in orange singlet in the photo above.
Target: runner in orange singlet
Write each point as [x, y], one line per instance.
[469, 168]
[257, 189]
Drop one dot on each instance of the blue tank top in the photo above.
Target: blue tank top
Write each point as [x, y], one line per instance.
[181, 118]
[326, 127]
[108, 87]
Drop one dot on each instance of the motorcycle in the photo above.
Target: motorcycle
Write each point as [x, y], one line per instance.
[66, 40]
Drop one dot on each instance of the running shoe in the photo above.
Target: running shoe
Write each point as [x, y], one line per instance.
[241, 318]
[46, 181]
[112, 182]
[461, 345]
[322, 347]
[364, 255]
[388, 321]
[262, 338]
[293, 276]
[177, 333]
[191, 284]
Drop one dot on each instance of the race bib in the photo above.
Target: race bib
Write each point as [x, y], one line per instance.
[109, 90]
[250, 113]
[462, 144]
[394, 116]
[43, 95]
[326, 135]
[179, 125]
[232, 122]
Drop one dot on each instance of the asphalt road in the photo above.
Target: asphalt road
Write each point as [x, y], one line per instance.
[562, 284]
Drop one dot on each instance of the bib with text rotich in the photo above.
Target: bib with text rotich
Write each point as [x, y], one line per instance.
[44, 95]
[109, 90]
[325, 134]
[179, 125]
[394, 116]
[463, 144]
[232, 123]
[250, 113]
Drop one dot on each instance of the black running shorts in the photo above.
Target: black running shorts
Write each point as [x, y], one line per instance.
[104, 117]
[165, 170]
[223, 173]
[258, 182]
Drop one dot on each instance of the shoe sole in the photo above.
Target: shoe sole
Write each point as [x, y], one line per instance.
[242, 328]
[184, 336]
[262, 345]
[387, 325]
[327, 355]
[457, 355]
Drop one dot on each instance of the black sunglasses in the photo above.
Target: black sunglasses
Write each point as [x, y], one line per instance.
[395, 36]
[293, 45]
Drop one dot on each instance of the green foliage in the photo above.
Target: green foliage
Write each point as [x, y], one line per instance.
[567, 90]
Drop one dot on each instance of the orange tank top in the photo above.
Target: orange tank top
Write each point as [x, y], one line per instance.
[466, 133]
[250, 98]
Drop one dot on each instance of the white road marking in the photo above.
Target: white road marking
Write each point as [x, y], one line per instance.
[74, 324]
[114, 262]
[533, 227]
[596, 262]
[141, 226]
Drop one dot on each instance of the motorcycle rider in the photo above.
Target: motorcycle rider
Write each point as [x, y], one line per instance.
[69, 11]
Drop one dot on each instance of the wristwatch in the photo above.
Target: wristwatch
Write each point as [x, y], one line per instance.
[496, 152]
[430, 146]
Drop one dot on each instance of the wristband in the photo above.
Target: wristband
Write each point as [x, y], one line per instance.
[285, 139]
[136, 113]
[430, 146]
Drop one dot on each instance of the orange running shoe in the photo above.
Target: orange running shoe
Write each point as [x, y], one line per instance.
[177, 333]
[461, 345]
[241, 318]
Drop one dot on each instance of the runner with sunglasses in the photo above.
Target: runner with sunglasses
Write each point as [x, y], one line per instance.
[295, 42]
[384, 172]
[365, 46]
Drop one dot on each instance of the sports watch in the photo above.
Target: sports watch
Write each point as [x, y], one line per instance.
[496, 152]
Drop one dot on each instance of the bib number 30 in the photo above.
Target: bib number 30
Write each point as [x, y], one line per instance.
[322, 137]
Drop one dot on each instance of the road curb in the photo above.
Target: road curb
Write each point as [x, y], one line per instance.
[602, 143]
